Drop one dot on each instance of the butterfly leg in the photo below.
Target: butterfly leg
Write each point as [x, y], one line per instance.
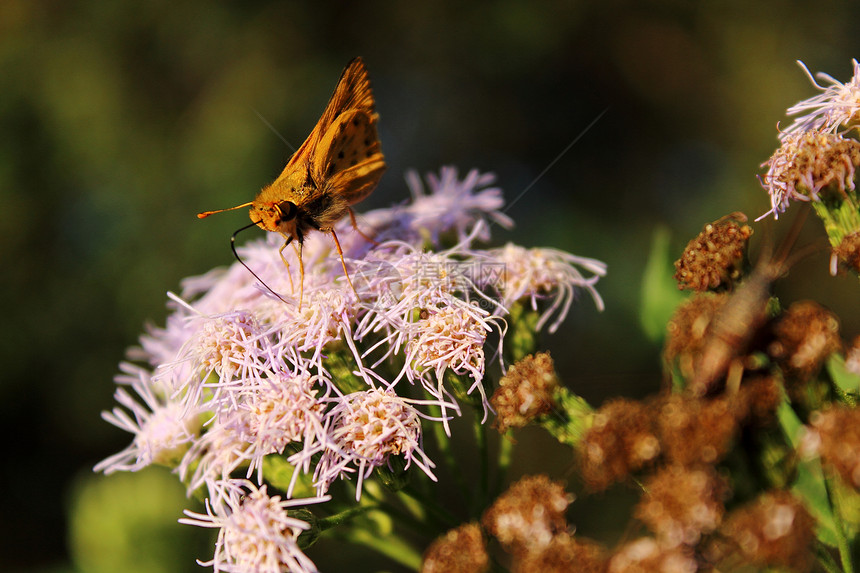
[355, 226]
[298, 246]
[342, 262]
[284, 259]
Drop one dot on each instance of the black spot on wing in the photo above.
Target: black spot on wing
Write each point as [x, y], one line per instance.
[354, 141]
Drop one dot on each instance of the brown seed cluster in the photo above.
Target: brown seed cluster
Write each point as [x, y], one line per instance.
[621, 440]
[528, 515]
[811, 162]
[525, 392]
[688, 331]
[646, 555]
[564, 554]
[680, 504]
[804, 336]
[674, 442]
[834, 434]
[461, 550]
[715, 257]
[627, 436]
[847, 251]
[529, 522]
[852, 357]
[758, 399]
[695, 430]
[775, 530]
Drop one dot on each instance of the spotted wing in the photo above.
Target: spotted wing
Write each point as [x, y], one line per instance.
[349, 158]
[351, 93]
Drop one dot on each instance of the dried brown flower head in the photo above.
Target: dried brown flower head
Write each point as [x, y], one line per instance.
[688, 329]
[715, 257]
[774, 530]
[680, 504]
[461, 550]
[646, 555]
[805, 335]
[847, 252]
[808, 164]
[564, 553]
[525, 392]
[696, 430]
[834, 434]
[758, 399]
[621, 440]
[528, 515]
[852, 357]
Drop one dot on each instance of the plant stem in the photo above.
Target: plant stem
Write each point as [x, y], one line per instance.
[483, 452]
[389, 545]
[825, 559]
[344, 516]
[443, 443]
[411, 521]
[506, 450]
[434, 510]
[841, 540]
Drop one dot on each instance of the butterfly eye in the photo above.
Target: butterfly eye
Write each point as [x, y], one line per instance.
[288, 210]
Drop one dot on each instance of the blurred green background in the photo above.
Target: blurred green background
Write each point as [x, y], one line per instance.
[121, 120]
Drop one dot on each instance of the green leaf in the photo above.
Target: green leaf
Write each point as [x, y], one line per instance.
[847, 382]
[660, 295]
[570, 419]
[127, 522]
[375, 530]
[341, 364]
[394, 475]
[846, 499]
[809, 484]
[391, 546]
[278, 472]
[840, 218]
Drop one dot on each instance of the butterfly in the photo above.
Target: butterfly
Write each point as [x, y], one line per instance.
[338, 165]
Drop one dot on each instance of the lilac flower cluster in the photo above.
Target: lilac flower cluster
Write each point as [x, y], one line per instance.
[816, 151]
[237, 374]
[835, 107]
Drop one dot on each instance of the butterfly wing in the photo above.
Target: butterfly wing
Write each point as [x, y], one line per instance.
[352, 92]
[349, 158]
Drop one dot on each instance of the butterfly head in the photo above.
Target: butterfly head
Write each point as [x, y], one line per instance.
[278, 217]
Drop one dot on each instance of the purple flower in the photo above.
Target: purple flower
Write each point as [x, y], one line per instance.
[456, 205]
[447, 205]
[163, 430]
[239, 372]
[535, 274]
[364, 430]
[835, 107]
[806, 163]
[255, 532]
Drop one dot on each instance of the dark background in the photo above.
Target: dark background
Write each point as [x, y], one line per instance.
[121, 120]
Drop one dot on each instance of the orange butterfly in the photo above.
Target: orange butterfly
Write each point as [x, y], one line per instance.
[338, 165]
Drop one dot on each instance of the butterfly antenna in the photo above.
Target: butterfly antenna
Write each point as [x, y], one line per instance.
[238, 258]
[205, 214]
